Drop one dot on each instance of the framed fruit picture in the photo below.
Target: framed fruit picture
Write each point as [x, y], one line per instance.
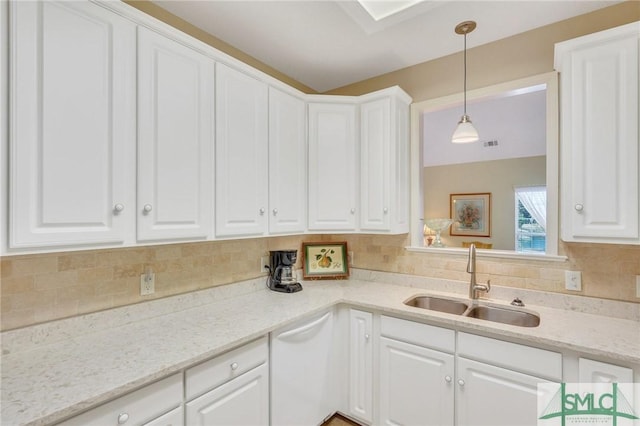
[325, 260]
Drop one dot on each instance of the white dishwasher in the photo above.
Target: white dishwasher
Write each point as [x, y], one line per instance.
[303, 382]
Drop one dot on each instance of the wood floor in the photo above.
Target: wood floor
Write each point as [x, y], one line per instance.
[338, 420]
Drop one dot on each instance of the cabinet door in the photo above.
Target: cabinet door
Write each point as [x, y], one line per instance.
[416, 385]
[360, 365]
[333, 170]
[244, 401]
[241, 154]
[376, 158]
[287, 163]
[599, 81]
[493, 396]
[72, 138]
[175, 111]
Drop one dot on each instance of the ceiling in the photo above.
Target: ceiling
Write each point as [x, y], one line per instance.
[329, 44]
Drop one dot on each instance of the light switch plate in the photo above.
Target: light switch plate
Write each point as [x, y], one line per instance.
[573, 280]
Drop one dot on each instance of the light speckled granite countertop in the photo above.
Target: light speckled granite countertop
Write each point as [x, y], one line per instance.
[57, 369]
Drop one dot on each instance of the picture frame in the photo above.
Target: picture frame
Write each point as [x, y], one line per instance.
[328, 260]
[471, 214]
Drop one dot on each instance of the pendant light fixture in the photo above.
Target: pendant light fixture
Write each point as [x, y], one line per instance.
[465, 132]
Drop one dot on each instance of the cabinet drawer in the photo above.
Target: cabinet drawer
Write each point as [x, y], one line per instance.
[417, 333]
[138, 407]
[526, 359]
[590, 371]
[211, 374]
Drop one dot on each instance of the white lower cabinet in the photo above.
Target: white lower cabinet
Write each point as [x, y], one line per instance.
[497, 381]
[416, 371]
[427, 378]
[494, 396]
[158, 404]
[360, 395]
[235, 386]
[243, 401]
[415, 385]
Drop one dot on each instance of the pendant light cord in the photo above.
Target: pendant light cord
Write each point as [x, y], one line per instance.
[465, 73]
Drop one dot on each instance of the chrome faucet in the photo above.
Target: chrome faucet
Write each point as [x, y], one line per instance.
[475, 288]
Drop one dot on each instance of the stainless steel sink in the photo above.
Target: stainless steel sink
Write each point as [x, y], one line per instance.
[504, 315]
[439, 304]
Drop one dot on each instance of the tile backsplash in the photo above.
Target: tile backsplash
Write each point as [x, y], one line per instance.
[44, 287]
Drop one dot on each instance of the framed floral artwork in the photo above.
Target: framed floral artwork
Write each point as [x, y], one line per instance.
[471, 214]
[325, 260]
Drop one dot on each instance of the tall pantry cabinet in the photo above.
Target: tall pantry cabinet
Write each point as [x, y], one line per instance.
[72, 131]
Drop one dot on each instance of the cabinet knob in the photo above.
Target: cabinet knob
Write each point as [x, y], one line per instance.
[366, 336]
[275, 212]
[261, 211]
[385, 210]
[122, 418]
[461, 382]
[147, 208]
[448, 379]
[118, 208]
[353, 211]
[234, 366]
[578, 207]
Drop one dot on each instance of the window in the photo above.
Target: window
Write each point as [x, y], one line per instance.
[531, 218]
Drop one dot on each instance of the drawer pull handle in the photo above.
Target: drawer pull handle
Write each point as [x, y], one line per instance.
[234, 366]
[122, 418]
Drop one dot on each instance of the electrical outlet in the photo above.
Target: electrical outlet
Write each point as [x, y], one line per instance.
[350, 256]
[637, 285]
[573, 280]
[264, 264]
[147, 283]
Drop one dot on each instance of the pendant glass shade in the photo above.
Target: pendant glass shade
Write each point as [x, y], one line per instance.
[465, 132]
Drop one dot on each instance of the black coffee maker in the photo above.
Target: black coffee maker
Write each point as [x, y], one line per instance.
[282, 274]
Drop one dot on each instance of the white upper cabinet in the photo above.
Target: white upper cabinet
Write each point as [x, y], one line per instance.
[175, 122]
[287, 163]
[384, 162]
[599, 136]
[241, 175]
[72, 130]
[333, 168]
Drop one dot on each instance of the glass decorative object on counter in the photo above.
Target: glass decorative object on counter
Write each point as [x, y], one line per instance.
[438, 225]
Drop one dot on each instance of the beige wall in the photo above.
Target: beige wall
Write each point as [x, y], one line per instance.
[37, 288]
[522, 55]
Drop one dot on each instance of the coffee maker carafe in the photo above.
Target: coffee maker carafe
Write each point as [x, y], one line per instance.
[282, 275]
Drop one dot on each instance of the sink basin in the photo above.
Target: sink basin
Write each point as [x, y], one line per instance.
[437, 304]
[505, 316]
